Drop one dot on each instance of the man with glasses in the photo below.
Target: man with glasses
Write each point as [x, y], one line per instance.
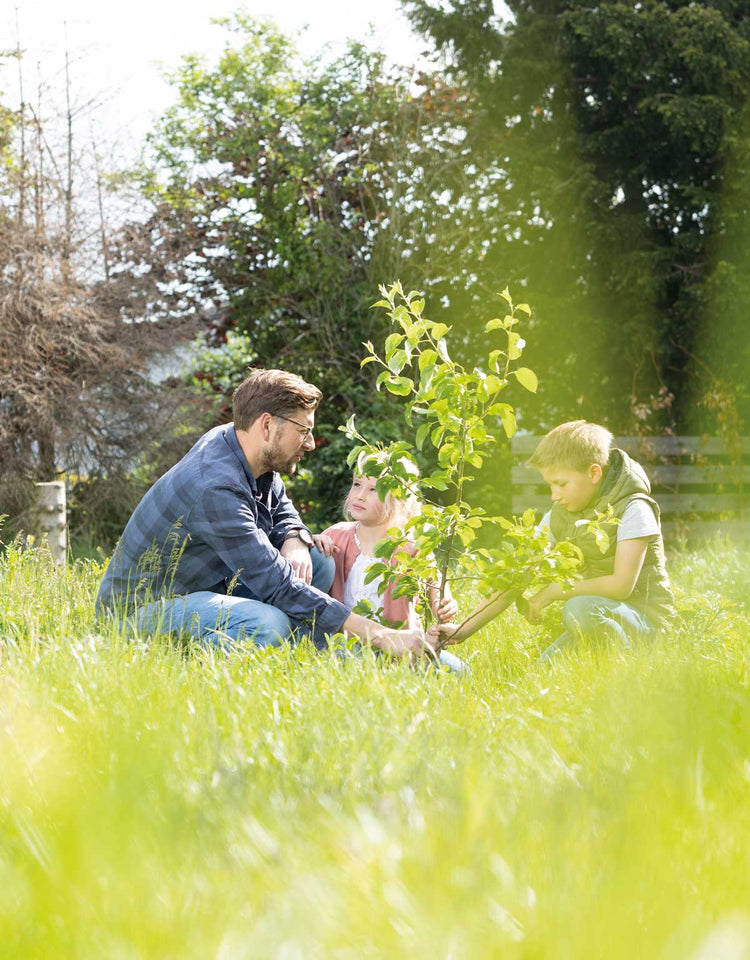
[216, 550]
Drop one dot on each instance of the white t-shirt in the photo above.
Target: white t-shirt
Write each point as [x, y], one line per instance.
[355, 588]
[639, 520]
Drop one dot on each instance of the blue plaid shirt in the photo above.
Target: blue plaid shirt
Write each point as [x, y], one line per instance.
[206, 524]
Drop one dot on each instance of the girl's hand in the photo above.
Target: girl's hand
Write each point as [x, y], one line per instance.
[325, 544]
[446, 611]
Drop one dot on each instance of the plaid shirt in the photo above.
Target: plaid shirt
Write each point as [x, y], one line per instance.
[206, 523]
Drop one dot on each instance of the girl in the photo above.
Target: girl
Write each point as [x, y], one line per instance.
[353, 545]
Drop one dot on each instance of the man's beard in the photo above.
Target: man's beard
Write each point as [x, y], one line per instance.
[275, 461]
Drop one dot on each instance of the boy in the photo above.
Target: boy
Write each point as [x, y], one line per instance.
[625, 592]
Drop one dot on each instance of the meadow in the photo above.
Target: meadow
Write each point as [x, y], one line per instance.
[159, 802]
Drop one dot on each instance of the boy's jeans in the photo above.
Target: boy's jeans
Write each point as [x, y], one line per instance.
[594, 618]
[215, 618]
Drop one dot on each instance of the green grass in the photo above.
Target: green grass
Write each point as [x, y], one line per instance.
[162, 804]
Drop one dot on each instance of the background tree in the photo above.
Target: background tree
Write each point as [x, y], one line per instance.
[76, 400]
[282, 192]
[606, 130]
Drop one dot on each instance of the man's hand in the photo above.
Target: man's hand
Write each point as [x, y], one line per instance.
[298, 555]
[401, 643]
[398, 643]
[325, 544]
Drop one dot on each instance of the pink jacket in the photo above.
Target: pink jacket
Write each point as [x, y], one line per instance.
[398, 610]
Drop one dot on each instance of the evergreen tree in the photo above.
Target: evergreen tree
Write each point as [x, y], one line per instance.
[614, 134]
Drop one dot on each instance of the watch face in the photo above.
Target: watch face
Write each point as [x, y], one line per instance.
[305, 537]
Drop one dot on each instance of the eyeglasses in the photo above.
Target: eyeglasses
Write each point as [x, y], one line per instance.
[308, 431]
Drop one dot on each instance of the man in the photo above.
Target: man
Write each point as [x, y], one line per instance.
[216, 548]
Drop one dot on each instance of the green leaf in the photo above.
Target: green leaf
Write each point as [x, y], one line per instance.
[495, 324]
[506, 295]
[425, 381]
[436, 481]
[493, 384]
[392, 341]
[524, 307]
[375, 570]
[397, 361]
[364, 608]
[400, 386]
[515, 345]
[508, 418]
[385, 548]
[527, 378]
[443, 351]
[426, 357]
[439, 330]
[368, 360]
[422, 433]
[466, 535]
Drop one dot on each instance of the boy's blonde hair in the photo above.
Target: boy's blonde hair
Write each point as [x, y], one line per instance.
[574, 445]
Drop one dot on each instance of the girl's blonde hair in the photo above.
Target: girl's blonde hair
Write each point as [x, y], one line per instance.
[398, 511]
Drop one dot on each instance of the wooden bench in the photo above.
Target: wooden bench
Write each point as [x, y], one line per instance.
[698, 482]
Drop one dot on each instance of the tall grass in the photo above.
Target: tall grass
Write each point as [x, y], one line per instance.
[158, 802]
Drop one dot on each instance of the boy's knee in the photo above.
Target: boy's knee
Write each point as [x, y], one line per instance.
[580, 614]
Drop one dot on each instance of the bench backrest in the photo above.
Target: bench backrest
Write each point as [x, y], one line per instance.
[698, 482]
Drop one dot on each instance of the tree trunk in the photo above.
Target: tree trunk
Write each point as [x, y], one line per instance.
[51, 520]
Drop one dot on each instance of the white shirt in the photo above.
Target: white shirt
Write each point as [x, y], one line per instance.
[355, 588]
[638, 520]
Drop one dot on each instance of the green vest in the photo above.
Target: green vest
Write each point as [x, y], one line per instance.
[624, 481]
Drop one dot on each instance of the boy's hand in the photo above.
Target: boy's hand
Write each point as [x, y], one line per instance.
[539, 601]
[325, 544]
[441, 635]
[445, 611]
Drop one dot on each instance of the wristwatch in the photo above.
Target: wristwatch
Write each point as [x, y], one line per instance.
[300, 534]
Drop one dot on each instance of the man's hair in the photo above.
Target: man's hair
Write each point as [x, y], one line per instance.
[271, 391]
[574, 445]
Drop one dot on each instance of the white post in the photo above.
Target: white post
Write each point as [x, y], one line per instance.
[51, 518]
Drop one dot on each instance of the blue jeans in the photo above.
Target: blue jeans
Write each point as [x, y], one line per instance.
[596, 618]
[453, 663]
[215, 618]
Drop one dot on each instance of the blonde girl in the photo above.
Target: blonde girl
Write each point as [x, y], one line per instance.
[352, 545]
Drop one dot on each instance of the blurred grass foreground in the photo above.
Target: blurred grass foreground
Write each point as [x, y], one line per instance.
[158, 802]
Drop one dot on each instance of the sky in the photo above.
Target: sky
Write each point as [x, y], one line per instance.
[116, 48]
